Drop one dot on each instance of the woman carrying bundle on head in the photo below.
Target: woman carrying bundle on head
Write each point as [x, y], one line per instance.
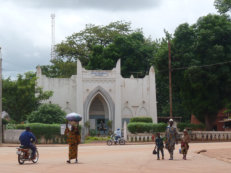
[73, 136]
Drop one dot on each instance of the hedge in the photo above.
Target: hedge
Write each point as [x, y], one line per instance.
[48, 131]
[39, 129]
[140, 127]
[182, 126]
[141, 119]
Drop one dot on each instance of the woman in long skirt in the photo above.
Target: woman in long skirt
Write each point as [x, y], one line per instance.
[73, 139]
[184, 144]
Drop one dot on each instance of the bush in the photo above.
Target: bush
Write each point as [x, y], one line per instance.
[4, 121]
[48, 114]
[160, 127]
[140, 127]
[38, 129]
[10, 126]
[182, 126]
[49, 131]
[93, 132]
[141, 119]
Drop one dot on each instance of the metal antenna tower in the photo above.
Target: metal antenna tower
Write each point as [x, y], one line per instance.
[53, 55]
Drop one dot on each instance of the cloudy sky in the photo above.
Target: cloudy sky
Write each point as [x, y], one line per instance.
[25, 25]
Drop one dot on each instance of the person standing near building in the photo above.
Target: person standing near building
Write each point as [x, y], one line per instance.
[171, 138]
[102, 128]
[73, 139]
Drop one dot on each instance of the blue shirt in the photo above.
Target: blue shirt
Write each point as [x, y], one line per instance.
[25, 138]
[159, 142]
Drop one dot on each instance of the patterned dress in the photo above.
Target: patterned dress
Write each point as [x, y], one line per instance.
[184, 144]
[171, 139]
[73, 139]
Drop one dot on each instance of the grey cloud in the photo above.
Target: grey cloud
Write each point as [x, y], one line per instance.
[114, 5]
[19, 55]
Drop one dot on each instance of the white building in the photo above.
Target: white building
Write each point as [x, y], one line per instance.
[102, 95]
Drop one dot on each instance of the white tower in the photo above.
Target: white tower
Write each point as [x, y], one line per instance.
[53, 56]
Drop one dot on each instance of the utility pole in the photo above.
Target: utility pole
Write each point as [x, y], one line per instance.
[170, 77]
[1, 97]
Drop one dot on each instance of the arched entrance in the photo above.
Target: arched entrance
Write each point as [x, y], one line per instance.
[98, 114]
[99, 108]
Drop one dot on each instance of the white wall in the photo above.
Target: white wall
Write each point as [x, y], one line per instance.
[131, 96]
[64, 91]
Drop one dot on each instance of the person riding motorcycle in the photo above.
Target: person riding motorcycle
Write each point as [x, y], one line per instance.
[117, 134]
[26, 139]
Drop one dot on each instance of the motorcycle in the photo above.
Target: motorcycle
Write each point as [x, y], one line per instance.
[24, 154]
[120, 141]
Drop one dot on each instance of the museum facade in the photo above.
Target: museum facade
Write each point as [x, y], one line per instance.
[103, 95]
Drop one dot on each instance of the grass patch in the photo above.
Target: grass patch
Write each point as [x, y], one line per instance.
[92, 139]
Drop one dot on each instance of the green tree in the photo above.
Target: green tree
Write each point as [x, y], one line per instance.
[21, 97]
[197, 88]
[134, 51]
[79, 45]
[99, 47]
[204, 89]
[47, 114]
[160, 62]
[59, 68]
[223, 6]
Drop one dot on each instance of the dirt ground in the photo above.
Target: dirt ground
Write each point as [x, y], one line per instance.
[114, 159]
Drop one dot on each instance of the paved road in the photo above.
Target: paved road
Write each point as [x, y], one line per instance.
[121, 159]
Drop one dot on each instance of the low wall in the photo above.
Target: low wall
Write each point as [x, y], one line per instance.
[11, 136]
[212, 136]
[197, 136]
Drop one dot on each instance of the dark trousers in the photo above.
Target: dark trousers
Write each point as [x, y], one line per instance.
[160, 149]
[117, 137]
[33, 148]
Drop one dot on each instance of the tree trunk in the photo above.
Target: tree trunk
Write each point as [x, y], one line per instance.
[209, 120]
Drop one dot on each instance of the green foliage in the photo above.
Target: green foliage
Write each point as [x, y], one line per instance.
[182, 126]
[134, 51]
[42, 130]
[109, 124]
[206, 90]
[100, 47]
[59, 69]
[141, 119]
[160, 127]
[4, 121]
[47, 114]
[21, 97]
[87, 124]
[140, 127]
[222, 6]
[228, 108]
[48, 131]
[79, 45]
[160, 62]
[93, 132]
[90, 139]
[201, 91]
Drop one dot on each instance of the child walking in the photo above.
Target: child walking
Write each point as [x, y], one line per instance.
[159, 146]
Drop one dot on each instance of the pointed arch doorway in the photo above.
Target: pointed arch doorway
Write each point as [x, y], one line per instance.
[99, 108]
